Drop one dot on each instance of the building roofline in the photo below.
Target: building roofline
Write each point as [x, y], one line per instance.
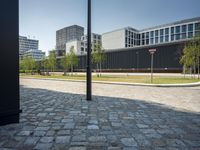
[171, 24]
[70, 26]
[120, 29]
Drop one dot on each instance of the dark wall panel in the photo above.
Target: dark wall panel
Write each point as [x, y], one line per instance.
[9, 47]
[166, 57]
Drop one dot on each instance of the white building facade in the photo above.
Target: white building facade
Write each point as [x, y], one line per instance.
[80, 46]
[173, 32]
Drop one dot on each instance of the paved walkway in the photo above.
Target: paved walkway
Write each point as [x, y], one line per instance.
[57, 116]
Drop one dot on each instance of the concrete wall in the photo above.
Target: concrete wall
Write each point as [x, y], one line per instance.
[114, 40]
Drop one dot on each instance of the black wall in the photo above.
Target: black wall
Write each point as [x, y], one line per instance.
[166, 58]
[9, 47]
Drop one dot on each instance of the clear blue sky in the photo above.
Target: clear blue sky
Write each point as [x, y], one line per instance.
[41, 18]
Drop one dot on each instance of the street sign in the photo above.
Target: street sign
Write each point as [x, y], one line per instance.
[152, 51]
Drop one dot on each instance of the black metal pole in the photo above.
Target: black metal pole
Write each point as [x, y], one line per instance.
[89, 77]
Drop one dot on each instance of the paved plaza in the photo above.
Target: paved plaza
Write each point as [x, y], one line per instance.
[57, 116]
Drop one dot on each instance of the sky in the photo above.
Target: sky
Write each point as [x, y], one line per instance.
[39, 19]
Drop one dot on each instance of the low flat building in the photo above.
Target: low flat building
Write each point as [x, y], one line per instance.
[35, 54]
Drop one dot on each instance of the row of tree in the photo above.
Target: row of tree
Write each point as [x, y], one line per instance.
[68, 62]
[191, 56]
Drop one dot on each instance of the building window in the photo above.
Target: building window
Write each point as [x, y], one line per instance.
[143, 42]
[172, 37]
[197, 26]
[143, 36]
[183, 36]
[161, 32]
[152, 34]
[156, 33]
[161, 39]
[172, 30]
[166, 38]
[156, 40]
[177, 36]
[190, 34]
[151, 41]
[190, 28]
[183, 28]
[177, 29]
[166, 31]
[147, 35]
[147, 41]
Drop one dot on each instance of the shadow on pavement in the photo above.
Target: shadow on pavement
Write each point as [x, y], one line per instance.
[56, 120]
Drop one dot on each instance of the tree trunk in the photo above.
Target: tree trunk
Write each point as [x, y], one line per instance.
[184, 70]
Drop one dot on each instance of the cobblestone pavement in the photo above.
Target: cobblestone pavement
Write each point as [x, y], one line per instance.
[57, 116]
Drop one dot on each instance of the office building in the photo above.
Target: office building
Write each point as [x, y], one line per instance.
[35, 54]
[80, 46]
[26, 44]
[67, 34]
[168, 33]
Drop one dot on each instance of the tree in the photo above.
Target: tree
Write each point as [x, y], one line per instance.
[51, 63]
[28, 64]
[98, 56]
[72, 59]
[65, 63]
[191, 54]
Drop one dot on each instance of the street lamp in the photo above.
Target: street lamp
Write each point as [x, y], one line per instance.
[89, 76]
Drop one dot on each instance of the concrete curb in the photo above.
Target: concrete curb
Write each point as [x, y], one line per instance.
[123, 83]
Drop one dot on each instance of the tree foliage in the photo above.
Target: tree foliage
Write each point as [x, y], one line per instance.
[28, 64]
[191, 54]
[70, 60]
[98, 57]
[51, 61]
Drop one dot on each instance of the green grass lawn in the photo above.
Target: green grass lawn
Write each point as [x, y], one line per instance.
[129, 79]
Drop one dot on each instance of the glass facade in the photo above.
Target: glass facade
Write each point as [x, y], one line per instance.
[169, 33]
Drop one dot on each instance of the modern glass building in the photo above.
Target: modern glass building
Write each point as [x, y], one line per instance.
[35, 54]
[26, 44]
[67, 34]
[173, 32]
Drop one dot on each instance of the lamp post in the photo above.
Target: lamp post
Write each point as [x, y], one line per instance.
[89, 76]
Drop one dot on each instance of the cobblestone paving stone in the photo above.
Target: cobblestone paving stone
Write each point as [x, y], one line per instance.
[60, 119]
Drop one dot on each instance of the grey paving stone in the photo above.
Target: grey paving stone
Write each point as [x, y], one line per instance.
[129, 120]
[47, 139]
[97, 139]
[128, 142]
[62, 139]
[31, 140]
[77, 148]
[43, 146]
[93, 127]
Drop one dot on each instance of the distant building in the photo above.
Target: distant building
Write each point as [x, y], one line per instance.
[80, 46]
[26, 44]
[67, 34]
[168, 33]
[35, 54]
